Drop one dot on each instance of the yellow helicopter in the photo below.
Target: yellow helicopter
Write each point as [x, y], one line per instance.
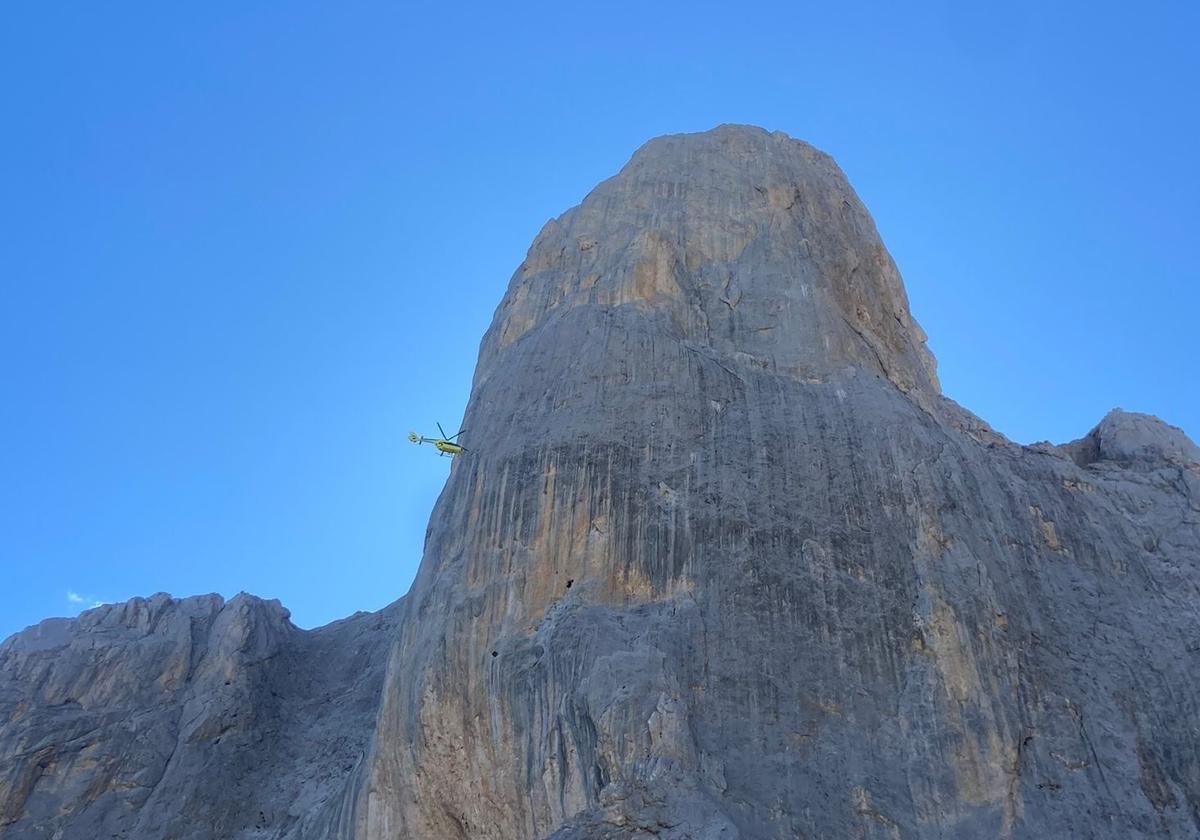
[445, 445]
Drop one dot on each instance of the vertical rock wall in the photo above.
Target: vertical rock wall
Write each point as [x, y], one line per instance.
[724, 563]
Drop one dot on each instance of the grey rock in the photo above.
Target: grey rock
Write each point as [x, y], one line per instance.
[1133, 441]
[184, 718]
[722, 563]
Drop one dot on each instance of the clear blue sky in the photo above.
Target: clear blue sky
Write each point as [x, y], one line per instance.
[245, 247]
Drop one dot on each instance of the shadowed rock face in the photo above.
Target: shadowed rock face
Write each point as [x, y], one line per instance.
[722, 563]
[184, 718]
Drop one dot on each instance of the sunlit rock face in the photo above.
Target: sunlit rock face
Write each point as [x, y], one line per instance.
[725, 564]
[721, 563]
[747, 246]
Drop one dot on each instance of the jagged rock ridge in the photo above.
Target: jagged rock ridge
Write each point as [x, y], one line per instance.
[728, 566]
[184, 718]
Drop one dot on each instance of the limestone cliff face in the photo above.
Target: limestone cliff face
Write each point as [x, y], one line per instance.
[722, 563]
[725, 564]
[748, 246]
[173, 718]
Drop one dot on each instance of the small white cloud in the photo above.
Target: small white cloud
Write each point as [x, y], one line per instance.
[84, 602]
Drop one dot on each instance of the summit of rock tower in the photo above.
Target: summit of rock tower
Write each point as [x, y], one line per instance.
[750, 245]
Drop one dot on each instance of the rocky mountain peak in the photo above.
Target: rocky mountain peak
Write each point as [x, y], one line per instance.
[1131, 439]
[749, 245]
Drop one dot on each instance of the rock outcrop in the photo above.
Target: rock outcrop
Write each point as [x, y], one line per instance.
[722, 563]
[184, 718]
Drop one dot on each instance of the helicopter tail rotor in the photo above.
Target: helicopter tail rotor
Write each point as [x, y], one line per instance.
[414, 437]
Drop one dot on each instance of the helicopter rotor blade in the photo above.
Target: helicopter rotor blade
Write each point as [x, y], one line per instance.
[443, 431]
[456, 434]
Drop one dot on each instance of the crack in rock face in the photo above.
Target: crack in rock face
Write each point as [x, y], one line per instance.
[728, 566]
